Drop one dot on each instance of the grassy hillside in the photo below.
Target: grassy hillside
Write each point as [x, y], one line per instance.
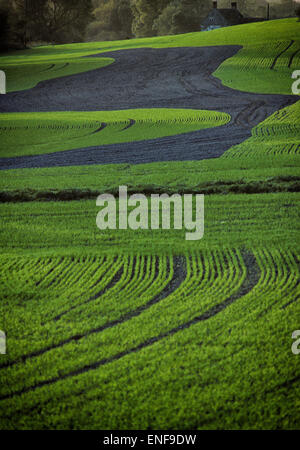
[262, 42]
[87, 310]
[268, 161]
[143, 329]
[70, 227]
[38, 133]
[196, 350]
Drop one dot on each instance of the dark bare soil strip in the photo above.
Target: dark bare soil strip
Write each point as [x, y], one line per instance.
[148, 78]
[274, 184]
[252, 278]
[178, 277]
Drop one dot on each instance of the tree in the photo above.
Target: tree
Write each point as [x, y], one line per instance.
[23, 18]
[145, 13]
[180, 17]
[125, 18]
[297, 11]
[4, 27]
[56, 21]
[66, 20]
[113, 20]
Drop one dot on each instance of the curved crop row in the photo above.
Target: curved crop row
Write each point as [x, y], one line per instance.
[41, 326]
[39, 133]
[249, 335]
[288, 57]
[211, 277]
[28, 72]
[277, 135]
[262, 67]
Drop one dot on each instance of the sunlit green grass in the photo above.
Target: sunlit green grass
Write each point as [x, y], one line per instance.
[261, 42]
[271, 152]
[278, 135]
[250, 70]
[234, 368]
[70, 227]
[28, 72]
[38, 133]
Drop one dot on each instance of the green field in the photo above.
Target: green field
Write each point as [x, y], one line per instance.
[62, 280]
[262, 43]
[143, 329]
[268, 161]
[275, 137]
[38, 133]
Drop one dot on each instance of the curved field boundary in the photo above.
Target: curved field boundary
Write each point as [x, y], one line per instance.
[25, 73]
[37, 133]
[62, 67]
[199, 90]
[103, 125]
[49, 68]
[279, 134]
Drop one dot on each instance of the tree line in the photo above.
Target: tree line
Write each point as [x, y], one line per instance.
[121, 19]
[24, 22]
[59, 21]
[53, 21]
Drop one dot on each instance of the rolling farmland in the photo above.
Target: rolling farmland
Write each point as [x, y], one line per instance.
[38, 133]
[124, 329]
[278, 135]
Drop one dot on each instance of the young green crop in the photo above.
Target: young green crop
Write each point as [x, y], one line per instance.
[69, 228]
[141, 329]
[265, 67]
[260, 41]
[278, 135]
[271, 155]
[217, 285]
[39, 133]
[23, 74]
[221, 369]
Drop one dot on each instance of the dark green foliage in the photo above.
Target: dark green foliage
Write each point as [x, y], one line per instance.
[113, 20]
[180, 17]
[166, 16]
[144, 15]
[56, 21]
[66, 20]
[4, 27]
